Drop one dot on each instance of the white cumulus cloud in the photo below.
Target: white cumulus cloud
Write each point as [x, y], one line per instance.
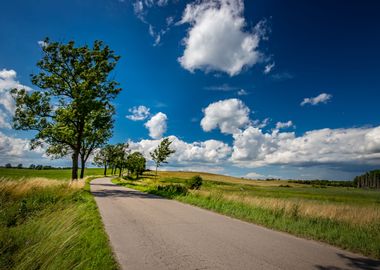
[138, 113]
[217, 40]
[252, 147]
[157, 125]
[228, 115]
[254, 175]
[4, 122]
[8, 81]
[321, 98]
[208, 152]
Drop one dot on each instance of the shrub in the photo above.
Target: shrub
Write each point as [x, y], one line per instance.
[171, 190]
[195, 182]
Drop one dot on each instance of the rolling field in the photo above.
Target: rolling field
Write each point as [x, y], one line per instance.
[57, 174]
[345, 217]
[48, 223]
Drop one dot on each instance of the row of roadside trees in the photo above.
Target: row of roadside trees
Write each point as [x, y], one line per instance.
[118, 157]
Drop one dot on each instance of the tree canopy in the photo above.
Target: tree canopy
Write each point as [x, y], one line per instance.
[72, 110]
[136, 163]
[162, 152]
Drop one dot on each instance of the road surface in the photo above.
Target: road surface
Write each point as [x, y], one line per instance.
[149, 232]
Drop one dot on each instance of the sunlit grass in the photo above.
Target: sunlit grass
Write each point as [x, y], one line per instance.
[57, 174]
[51, 224]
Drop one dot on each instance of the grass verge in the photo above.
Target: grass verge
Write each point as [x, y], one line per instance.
[356, 237]
[49, 224]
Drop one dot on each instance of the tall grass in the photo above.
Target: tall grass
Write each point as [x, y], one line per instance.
[50, 224]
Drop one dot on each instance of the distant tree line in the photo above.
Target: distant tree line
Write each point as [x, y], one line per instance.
[368, 180]
[33, 167]
[318, 182]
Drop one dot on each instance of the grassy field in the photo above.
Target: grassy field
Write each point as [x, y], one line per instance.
[345, 217]
[56, 174]
[49, 223]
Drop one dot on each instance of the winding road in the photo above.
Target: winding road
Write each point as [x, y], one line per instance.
[149, 232]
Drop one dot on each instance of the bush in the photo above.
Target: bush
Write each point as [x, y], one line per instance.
[195, 182]
[171, 190]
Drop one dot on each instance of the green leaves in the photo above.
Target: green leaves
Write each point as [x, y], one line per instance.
[72, 112]
[135, 163]
[162, 152]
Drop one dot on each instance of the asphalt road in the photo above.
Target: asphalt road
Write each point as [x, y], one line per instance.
[149, 232]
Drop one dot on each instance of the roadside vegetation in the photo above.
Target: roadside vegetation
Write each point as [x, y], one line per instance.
[342, 216]
[50, 223]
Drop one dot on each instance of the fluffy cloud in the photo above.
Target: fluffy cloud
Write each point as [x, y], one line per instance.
[12, 147]
[228, 115]
[138, 113]
[252, 147]
[321, 98]
[254, 175]
[280, 125]
[4, 122]
[17, 150]
[7, 104]
[157, 125]
[207, 152]
[216, 40]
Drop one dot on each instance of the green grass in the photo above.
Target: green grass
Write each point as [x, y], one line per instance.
[51, 225]
[305, 211]
[59, 174]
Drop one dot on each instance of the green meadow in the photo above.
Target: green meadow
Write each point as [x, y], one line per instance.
[57, 174]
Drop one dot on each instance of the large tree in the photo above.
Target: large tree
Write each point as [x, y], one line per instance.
[162, 153]
[72, 110]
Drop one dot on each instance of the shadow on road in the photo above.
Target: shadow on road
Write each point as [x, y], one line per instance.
[354, 262]
[123, 193]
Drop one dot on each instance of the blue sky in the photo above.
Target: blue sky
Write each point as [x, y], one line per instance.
[284, 89]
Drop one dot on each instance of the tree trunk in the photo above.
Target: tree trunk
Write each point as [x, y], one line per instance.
[156, 171]
[83, 164]
[120, 172]
[74, 170]
[105, 169]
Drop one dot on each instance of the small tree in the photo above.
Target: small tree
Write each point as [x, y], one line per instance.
[8, 165]
[136, 163]
[19, 166]
[39, 167]
[119, 157]
[104, 157]
[161, 153]
[32, 166]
